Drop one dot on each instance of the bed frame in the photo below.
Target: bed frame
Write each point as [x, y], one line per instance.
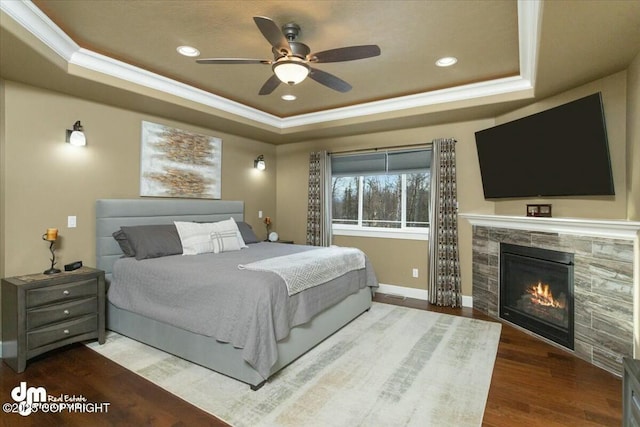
[111, 214]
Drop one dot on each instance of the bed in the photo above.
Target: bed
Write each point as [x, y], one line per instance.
[293, 333]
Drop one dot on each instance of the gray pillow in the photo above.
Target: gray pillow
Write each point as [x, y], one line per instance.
[125, 246]
[247, 233]
[153, 241]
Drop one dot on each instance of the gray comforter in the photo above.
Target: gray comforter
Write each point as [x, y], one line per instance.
[208, 294]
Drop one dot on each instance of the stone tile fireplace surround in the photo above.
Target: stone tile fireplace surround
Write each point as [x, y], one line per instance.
[606, 282]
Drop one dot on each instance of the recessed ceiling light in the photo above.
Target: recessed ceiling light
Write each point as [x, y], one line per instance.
[288, 97]
[447, 61]
[188, 51]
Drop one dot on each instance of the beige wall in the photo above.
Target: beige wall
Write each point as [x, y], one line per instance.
[3, 120]
[633, 140]
[396, 270]
[393, 259]
[47, 180]
[43, 180]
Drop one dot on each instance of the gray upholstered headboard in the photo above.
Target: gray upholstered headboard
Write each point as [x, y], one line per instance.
[111, 214]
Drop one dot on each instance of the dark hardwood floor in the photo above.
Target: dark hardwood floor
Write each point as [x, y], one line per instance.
[533, 384]
[538, 384]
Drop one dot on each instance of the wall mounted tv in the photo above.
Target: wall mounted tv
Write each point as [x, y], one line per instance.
[562, 151]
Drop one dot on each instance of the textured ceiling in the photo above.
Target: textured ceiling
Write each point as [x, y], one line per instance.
[577, 42]
[411, 35]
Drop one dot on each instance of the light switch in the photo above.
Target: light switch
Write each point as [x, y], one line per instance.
[71, 221]
[259, 214]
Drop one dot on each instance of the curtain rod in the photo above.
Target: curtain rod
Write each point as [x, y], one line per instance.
[396, 147]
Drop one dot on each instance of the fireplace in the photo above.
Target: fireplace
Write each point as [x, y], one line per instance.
[536, 291]
[606, 257]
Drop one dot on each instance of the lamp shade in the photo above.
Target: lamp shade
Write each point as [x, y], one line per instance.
[77, 138]
[291, 72]
[259, 163]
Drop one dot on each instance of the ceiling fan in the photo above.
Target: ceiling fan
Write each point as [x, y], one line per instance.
[291, 59]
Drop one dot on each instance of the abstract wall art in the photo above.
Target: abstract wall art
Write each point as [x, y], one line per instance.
[179, 163]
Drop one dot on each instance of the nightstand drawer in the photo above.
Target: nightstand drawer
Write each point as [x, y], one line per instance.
[66, 291]
[61, 331]
[60, 312]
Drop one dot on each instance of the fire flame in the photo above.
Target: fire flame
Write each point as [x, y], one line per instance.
[541, 294]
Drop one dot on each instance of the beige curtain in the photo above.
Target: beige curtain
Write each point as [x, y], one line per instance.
[319, 206]
[444, 260]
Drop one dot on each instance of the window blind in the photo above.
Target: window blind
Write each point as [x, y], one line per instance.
[380, 163]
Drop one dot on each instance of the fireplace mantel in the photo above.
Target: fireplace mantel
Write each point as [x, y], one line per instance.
[613, 229]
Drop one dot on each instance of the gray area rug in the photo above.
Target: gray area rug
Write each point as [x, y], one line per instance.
[392, 366]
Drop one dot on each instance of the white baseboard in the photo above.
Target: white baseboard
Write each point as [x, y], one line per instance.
[467, 301]
[403, 291]
[421, 294]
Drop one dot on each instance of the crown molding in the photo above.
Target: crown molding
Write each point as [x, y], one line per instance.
[37, 23]
[103, 64]
[443, 96]
[529, 29]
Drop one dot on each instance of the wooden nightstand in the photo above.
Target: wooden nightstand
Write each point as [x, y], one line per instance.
[43, 312]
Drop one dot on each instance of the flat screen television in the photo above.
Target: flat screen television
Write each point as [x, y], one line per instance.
[562, 151]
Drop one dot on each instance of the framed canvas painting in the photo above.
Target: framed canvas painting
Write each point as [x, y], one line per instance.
[179, 163]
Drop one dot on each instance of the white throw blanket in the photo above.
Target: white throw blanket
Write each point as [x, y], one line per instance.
[310, 268]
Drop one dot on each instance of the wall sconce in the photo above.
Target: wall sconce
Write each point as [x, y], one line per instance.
[76, 136]
[259, 163]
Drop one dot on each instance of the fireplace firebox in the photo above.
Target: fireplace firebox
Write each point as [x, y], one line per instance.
[536, 291]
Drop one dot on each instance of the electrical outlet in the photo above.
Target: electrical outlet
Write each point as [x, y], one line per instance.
[71, 221]
[259, 214]
[415, 273]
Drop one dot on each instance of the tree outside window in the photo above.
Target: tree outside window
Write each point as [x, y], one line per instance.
[418, 198]
[382, 201]
[344, 206]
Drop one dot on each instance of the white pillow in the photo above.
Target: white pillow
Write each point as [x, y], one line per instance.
[240, 239]
[196, 237]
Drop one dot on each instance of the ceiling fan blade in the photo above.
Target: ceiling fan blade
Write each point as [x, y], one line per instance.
[272, 33]
[346, 53]
[329, 80]
[233, 61]
[270, 85]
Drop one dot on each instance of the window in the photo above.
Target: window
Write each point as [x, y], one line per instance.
[381, 194]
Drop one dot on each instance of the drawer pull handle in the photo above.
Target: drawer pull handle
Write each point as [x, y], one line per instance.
[65, 292]
[66, 312]
[66, 332]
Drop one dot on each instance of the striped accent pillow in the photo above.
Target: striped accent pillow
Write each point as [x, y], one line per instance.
[196, 238]
[224, 240]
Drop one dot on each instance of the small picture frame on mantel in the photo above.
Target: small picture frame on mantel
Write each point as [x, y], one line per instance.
[539, 210]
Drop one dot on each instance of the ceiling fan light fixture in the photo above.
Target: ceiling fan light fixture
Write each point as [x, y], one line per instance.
[290, 71]
[291, 59]
[289, 97]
